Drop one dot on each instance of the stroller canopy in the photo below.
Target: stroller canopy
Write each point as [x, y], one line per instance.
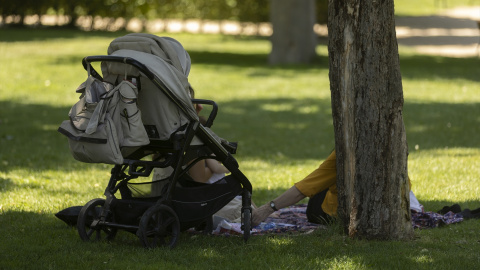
[166, 48]
[170, 63]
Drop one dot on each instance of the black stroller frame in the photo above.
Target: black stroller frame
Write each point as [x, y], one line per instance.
[158, 221]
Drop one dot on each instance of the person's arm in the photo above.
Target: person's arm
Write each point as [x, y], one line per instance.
[289, 197]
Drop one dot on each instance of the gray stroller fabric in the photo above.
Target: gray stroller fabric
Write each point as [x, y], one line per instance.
[166, 48]
[170, 63]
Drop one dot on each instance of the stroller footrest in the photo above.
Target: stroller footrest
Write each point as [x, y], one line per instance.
[140, 167]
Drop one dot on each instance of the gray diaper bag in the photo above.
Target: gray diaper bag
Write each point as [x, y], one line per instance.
[103, 121]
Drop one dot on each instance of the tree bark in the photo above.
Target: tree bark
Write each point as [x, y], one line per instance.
[367, 104]
[293, 39]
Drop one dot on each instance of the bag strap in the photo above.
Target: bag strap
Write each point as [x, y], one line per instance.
[94, 120]
[78, 107]
[98, 115]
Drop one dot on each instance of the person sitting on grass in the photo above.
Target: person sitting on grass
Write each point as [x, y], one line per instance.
[321, 186]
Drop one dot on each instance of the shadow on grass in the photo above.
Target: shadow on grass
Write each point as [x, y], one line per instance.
[29, 137]
[441, 125]
[437, 205]
[422, 67]
[12, 34]
[293, 128]
[32, 236]
[222, 59]
[417, 67]
[6, 184]
[413, 67]
[250, 60]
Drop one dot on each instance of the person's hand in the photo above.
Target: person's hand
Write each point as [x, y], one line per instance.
[198, 108]
[260, 214]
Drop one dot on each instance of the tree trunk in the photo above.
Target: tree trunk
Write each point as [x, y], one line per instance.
[293, 39]
[367, 102]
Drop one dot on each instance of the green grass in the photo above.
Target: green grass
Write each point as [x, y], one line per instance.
[429, 7]
[282, 120]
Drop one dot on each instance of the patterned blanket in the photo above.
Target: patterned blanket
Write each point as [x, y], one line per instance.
[292, 219]
[427, 220]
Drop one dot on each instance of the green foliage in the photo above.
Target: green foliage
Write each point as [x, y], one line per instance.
[239, 10]
[281, 118]
[245, 10]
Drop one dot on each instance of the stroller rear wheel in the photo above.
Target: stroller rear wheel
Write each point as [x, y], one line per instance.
[159, 226]
[88, 225]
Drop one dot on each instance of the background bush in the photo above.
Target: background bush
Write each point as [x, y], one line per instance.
[239, 10]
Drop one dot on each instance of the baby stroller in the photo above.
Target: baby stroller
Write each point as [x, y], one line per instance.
[139, 116]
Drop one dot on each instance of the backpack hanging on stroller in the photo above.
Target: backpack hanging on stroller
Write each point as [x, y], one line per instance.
[138, 115]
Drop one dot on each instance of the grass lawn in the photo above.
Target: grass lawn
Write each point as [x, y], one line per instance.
[281, 117]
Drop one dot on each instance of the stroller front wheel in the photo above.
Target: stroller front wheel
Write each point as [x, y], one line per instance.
[88, 224]
[159, 226]
[246, 223]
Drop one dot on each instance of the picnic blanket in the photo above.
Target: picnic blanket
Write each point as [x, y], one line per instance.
[428, 220]
[292, 219]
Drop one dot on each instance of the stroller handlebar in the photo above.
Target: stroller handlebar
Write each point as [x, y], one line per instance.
[213, 113]
[110, 58]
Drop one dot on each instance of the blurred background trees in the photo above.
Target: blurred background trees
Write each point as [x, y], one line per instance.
[292, 20]
[255, 11]
[293, 38]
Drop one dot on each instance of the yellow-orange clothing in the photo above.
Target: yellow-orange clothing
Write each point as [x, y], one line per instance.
[325, 177]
